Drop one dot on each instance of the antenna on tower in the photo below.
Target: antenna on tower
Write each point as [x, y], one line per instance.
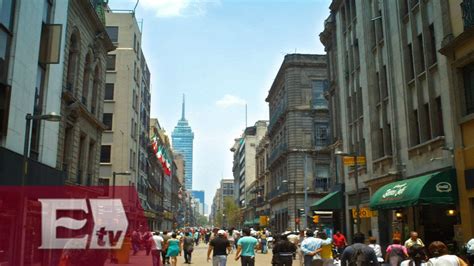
[183, 108]
[245, 115]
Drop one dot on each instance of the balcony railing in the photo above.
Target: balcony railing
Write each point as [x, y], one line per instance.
[278, 191]
[467, 7]
[321, 184]
[276, 115]
[277, 151]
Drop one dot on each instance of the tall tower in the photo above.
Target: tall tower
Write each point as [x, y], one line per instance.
[183, 138]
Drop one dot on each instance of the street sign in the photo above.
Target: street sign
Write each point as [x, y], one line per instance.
[364, 213]
[349, 160]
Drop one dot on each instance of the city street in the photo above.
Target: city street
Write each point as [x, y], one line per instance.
[198, 258]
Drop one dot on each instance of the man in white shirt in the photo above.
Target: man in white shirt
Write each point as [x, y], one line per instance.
[157, 246]
[470, 251]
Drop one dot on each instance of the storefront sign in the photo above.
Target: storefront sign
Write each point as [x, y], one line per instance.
[444, 187]
[396, 191]
[349, 160]
[364, 213]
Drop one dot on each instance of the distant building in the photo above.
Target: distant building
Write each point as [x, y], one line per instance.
[244, 167]
[182, 138]
[199, 195]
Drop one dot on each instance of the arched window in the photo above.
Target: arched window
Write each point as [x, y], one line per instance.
[96, 89]
[87, 78]
[73, 61]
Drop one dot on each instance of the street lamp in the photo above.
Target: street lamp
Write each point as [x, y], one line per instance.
[114, 174]
[52, 117]
[294, 194]
[356, 168]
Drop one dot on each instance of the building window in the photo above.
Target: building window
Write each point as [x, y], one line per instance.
[109, 91]
[409, 63]
[416, 128]
[112, 31]
[107, 120]
[427, 121]
[421, 54]
[319, 88]
[468, 78]
[321, 135]
[105, 151]
[86, 81]
[73, 62]
[433, 52]
[439, 109]
[6, 29]
[111, 62]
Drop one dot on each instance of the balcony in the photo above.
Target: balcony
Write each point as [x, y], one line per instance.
[467, 7]
[276, 115]
[277, 192]
[321, 185]
[277, 151]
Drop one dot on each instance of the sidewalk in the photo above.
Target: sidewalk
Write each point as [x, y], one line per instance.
[140, 259]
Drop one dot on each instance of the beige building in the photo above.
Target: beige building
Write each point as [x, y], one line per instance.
[262, 183]
[80, 134]
[390, 105]
[244, 168]
[298, 133]
[179, 160]
[126, 106]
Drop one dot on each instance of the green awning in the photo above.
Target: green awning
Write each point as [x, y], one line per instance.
[332, 201]
[248, 223]
[435, 188]
[256, 221]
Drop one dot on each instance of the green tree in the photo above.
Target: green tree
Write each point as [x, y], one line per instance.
[232, 213]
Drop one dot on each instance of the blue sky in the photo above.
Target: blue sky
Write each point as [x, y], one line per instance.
[221, 54]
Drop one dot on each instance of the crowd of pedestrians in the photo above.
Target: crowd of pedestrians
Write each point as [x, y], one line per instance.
[304, 248]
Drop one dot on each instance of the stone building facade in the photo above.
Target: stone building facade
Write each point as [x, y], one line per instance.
[86, 46]
[389, 102]
[458, 47]
[298, 135]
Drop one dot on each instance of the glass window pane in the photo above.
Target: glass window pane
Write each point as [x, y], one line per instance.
[112, 31]
[6, 13]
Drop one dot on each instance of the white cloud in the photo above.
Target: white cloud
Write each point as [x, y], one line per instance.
[230, 100]
[175, 8]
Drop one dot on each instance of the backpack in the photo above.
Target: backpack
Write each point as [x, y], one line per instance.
[358, 258]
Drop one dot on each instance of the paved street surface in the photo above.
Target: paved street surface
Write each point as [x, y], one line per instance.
[198, 259]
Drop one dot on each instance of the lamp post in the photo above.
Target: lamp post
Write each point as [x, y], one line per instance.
[51, 117]
[356, 168]
[114, 174]
[294, 194]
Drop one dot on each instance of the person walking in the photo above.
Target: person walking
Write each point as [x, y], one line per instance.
[470, 251]
[377, 249]
[148, 242]
[246, 249]
[263, 243]
[156, 248]
[283, 251]
[417, 256]
[340, 241]
[219, 247]
[173, 249]
[413, 240]
[135, 242]
[439, 256]
[326, 251]
[359, 254]
[187, 247]
[396, 253]
[166, 237]
[196, 237]
[311, 246]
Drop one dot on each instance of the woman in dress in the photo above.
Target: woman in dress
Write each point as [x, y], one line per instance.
[173, 249]
[440, 256]
[396, 253]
